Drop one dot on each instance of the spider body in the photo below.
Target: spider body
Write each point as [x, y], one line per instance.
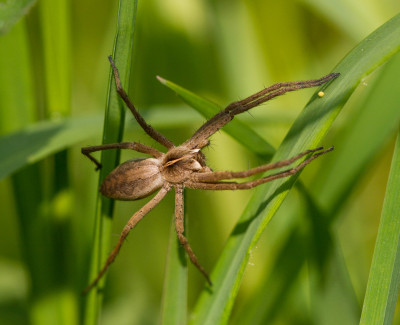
[185, 165]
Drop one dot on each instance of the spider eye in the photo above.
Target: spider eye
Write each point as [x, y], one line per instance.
[133, 180]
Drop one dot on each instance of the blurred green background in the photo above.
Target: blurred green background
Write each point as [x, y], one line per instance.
[53, 65]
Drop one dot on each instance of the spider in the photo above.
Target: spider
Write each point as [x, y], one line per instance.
[185, 165]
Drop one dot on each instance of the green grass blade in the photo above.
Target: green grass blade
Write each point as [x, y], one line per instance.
[215, 304]
[15, 113]
[55, 28]
[42, 139]
[342, 172]
[51, 298]
[12, 11]
[174, 301]
[384, 279]
[377, 121]
[113, 130]
[236, 128]
[373, 122]
[50, 295]
[16, 72]
[54, 47]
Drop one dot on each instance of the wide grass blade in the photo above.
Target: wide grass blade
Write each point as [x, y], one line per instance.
[215, 304]
[375, 123]
[112, 133]
[377, 118]
[384, 278]
[42, 139]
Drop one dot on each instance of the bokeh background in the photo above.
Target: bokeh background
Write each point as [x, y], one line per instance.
[223, 50]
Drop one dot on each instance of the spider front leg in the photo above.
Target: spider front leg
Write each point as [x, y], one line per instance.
[122, 145]
[198, 140]
[179, 226]
[133, 221]
[160, 138]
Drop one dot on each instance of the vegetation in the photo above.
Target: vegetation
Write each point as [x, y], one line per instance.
[285, 253]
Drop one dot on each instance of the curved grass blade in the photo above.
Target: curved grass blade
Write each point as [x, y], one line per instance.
[342, 172]
[375, 124]
[112, 133]
[42, 139]
[384, 277]
[214, 304]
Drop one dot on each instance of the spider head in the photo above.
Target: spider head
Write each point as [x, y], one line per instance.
[179, 163]
[133, 180]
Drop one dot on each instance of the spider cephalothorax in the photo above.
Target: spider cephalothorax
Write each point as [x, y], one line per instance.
[179, 164]
[185, 165]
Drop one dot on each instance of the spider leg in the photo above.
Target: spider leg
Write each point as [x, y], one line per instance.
[274, 91]
[251, 184]
[122, 145]
[130, 225]
[235, 108]
[220, 175]
[179, 226]
[146, 127]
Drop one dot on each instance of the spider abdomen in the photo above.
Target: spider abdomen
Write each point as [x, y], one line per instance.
[133, 180]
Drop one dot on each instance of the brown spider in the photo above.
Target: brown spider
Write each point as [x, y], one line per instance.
[185, 165]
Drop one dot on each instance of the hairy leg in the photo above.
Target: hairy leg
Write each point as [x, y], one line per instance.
[220, 175]
[179, 225]
[274, 91]
[247, 185]
[122, 145]
[146, 127]
[225, 116]
[130, 225]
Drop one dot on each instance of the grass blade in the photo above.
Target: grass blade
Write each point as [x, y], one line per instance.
[342, 172]
[50, 295]
[55, 29]
[174, 309]
[215, 304]
[42, 139]
[113, 130]
[384, 279]
[55, 50]
[377, 121]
